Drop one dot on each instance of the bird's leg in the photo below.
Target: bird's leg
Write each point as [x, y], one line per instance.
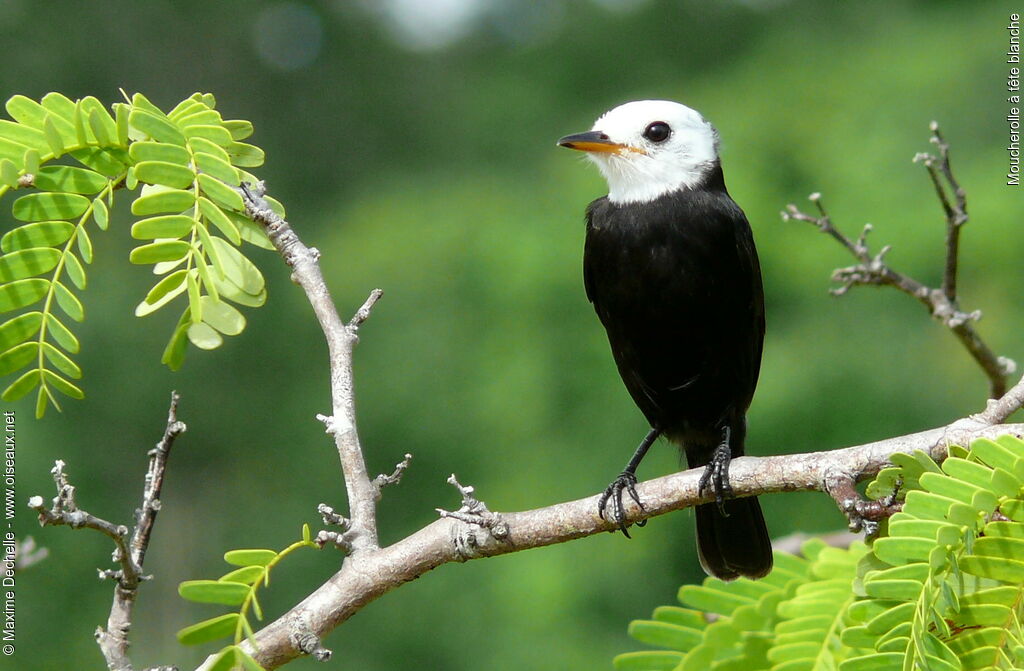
[717, 472]
[627, 482]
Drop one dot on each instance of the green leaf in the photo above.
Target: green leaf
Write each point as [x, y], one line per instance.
[225, 660]
[185, 108]
[215, 134]
[665, 635]
[32, 160]
[42, 397]
[82, 135]
[54, 138]
[993, 454]
[75, 270]
[22, 293]
[9, 173]
[229, 290]
[198, 117]
[26, 135]
[12, 151]
[84, 247]
[45, 206]
[239, 128]
[39, 234]
[143, 151]
[887, 661]
[204, 337]
[220, 220]
[121, 124]
[21, 386]
[62, 111]
[238, 268]
[195, 307]
[205, 277]
[997, 568]
[69, 179]
[160, 202]
[245, 155]
[26, 111]
[18, 356]
[166, 226]
[100, 213]
[258, 557]
[902, 550]
[174, 354]
[62, 385]
[109, 162]
[61, 361]
[19, 329]
[64, 337]
[28, 263]
[67, 301]
[165, 173]
[165, 250]
[214, 591]
[97, 124]
[203, 146]
[209, 630]
[221, 193]
[654, 660]
[247, 574]
[251, 232]
[156, 126]
[248, 663]
[222, 317]
[166, 285]
[218, 168]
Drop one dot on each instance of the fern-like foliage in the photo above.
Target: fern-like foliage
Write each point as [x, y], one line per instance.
[73, 157]
[238, 588]
[941, 589]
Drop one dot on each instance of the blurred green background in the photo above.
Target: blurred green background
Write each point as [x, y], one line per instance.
[413, 142]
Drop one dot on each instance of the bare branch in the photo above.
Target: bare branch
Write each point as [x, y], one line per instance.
[64, 511]
[363, 313]
[129, 552]
[365, 577]
[998, 410]
[146, 515]
[341, 339]
[382, 480]
[955, 210]
[941, 302]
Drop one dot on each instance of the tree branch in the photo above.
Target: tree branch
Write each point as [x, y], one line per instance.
[365, 577]
[341, 339]
[941, 302]
[129, 553]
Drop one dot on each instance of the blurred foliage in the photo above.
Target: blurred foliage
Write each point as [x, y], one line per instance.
[432, 173]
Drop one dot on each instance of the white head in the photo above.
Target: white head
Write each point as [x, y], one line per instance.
[648, 148]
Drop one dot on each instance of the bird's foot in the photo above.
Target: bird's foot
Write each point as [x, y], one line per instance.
[626, 482]
[716, 474]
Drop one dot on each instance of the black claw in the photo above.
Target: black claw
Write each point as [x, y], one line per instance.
[625, 482]
[717, 475]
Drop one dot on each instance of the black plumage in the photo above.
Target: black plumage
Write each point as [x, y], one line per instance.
[676, 283]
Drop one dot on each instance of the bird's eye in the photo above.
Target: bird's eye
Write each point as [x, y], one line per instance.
[657, 131]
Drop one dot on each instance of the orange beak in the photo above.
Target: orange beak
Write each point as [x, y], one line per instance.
[594, 141]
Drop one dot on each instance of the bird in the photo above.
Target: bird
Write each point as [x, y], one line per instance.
[670, 266]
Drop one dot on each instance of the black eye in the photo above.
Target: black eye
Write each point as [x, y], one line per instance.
[657, 131]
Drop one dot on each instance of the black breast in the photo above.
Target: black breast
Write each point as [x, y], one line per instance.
[677, 285]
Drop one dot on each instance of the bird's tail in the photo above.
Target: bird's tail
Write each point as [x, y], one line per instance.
[734, 544]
